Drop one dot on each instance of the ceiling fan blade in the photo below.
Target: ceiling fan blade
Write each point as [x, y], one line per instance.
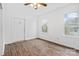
[44, 4]
[27, 3]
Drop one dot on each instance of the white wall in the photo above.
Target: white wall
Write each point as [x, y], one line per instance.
[11, 11]
[1, 40]
[31, 28]
[55, 20]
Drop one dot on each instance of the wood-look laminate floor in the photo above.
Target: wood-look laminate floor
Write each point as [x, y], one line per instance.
[37, 47]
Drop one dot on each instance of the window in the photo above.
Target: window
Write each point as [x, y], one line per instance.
[71, 20]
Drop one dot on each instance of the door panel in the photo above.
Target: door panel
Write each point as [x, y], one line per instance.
[17, 29]
[1, 38]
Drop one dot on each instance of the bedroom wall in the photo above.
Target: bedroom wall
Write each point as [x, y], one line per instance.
[14, 11]
[1, 40]
[55, 22]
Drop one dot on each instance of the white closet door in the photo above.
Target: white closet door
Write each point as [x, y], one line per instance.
[17, 29]
[1, 39]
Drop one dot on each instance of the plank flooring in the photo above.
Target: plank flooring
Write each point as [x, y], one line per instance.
[37, 47]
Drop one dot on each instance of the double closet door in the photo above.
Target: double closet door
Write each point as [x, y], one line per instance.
[1, 32]
[18, 29]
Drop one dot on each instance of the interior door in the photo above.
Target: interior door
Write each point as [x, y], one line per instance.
[18, 30]
[1, 39]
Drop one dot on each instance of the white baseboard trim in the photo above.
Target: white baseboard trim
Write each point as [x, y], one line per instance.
[29, 38]
[61, 44]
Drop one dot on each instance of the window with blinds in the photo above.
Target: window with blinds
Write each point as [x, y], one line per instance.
[71, 23]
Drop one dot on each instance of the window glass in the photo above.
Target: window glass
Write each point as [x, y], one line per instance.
[71, 20]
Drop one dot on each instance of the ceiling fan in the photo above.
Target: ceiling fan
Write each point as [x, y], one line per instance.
[36, 5]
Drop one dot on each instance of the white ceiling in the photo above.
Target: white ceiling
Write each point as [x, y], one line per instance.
[21, 9]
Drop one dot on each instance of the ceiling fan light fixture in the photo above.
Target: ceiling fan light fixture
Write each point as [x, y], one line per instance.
[39, 5]
[31, 5]
[36, 5]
